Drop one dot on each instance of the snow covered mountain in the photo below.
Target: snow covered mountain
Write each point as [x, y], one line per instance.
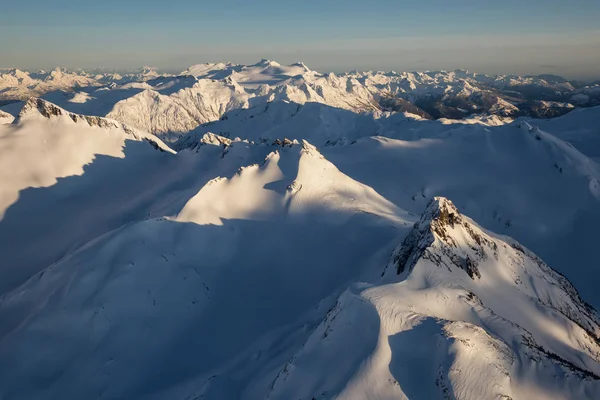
[461, 313]
[452, 300]
[43, 145]
[580, 128]
[300, 237]
[170, 106]
[515, 179]
[16, 84]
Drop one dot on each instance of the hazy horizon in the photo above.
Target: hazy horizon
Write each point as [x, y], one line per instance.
[545, 69]
[540, 37]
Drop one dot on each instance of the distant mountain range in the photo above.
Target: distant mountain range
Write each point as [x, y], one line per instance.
[172, 105]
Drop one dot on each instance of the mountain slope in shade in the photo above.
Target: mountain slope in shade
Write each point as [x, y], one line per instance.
[579, 127]
[47, 136]
[516, 180]
[63, 183]
[204, 100]
[251, 264]
[461, 314]
[456, 312]
[181, 110]
[250, 261]
[315, 122]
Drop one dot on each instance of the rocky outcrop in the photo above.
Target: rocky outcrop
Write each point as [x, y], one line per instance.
[432, 239]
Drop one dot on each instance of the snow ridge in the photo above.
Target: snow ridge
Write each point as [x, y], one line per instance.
[300, 242]
[36, 107]
[440, 237]
[442, 327]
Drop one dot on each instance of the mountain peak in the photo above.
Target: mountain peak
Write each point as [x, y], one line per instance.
[441, 210]
[439, 215]
[301, 65]
[267, 63]
[37, 106]
[5, 118]
[436, 238]
[509, 315]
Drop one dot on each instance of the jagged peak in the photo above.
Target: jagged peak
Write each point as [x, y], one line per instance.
[309, 149]
[40, 107]
[36, 108]
[456, 245]
[5, 118]
[197, 140]
[433, 238]
[214, 139]
[16, 72]
[267, 63]
[230, 81]
[449, 240]
[301, 65]
[439, 209]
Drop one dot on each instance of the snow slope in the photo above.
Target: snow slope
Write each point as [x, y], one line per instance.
[44, 145]
[278, 252]
[580, 128]
[48, 147]
[177, 112]
[182, 110]
[514, 180]
[315, 122]
[256, 251]
[264, 72]
[461, 313]
[456, 312]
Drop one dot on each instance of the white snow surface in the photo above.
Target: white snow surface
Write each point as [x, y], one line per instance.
[580, 128]
[304, 244]
[170, 106]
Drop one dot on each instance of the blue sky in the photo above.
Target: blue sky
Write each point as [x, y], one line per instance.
[525, 36]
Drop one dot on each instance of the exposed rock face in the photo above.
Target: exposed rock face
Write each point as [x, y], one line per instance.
[470, 335]
[448, 239]
[45, 108]
[211, 138]
[5, 118]
[434, 230]
[284, 142]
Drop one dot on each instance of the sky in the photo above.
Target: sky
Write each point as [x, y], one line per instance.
[497, 37]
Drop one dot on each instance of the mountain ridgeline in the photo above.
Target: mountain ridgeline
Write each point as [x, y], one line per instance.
[172, 105]
[271, 232]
